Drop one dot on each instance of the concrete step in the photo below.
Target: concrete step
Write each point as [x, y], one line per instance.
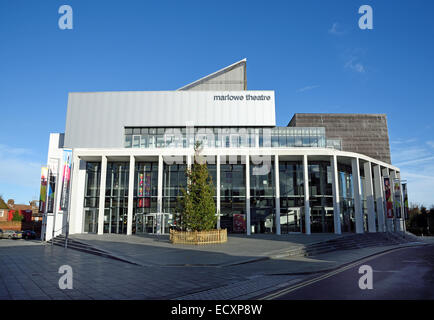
[79, 246]
[351, 242]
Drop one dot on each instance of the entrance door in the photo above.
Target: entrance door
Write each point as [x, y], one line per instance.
[156, 223]
[90, 220]
[292, 221]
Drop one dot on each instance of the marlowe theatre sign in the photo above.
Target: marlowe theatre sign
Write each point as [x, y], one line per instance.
[241, 97]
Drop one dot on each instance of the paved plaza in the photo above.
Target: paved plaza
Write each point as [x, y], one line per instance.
[29, 269]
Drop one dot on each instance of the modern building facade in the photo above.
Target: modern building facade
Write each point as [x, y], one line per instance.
[130, 151]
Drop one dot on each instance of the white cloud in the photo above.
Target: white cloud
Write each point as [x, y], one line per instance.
[354, 65]
[307, 88]
[336, 29]
[430, 143]
[416, 163]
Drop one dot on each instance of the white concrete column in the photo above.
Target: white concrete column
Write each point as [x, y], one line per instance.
[189, 162]
[336, 197]
[248, 195]
[277, 184]
[218, 191]
[102, 195]
[78, 200]
[306, 194]
[378, 182]
[400, 222]
[358, 213]
[75, 194]
[131, 195]
[369, 197]
[160, 184]
[395, 219]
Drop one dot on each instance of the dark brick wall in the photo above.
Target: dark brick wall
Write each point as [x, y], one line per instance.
[362, 133]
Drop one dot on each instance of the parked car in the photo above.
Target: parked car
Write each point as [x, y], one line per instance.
[1, 233]
[11, 234]
[29, 234]
[19, 234]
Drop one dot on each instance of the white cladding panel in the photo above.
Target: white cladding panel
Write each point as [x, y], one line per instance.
[97, 119]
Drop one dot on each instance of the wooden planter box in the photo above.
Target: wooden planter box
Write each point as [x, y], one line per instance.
[198, 237]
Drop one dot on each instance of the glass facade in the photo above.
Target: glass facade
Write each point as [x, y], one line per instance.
[116, 197]
[145, 197]
[233, 197]
[262, 200]
[321, 196]
[91, 197]
[233, 214]
[228, 137]
[346, 195]
[291, 197]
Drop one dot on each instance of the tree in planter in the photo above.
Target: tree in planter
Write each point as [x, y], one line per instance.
[197, 205]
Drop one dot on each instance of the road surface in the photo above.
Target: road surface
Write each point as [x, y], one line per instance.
[406, 273]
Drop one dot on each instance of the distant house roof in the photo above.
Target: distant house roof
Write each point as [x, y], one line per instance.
[3, 204]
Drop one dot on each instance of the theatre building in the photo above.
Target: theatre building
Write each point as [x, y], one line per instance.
[129, 150]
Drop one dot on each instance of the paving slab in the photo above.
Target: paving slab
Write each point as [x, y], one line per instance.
[158, 251]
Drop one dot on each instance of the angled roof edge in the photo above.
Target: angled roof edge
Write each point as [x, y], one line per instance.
[214, 74]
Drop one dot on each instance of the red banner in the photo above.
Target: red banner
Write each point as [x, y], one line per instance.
[388, 198]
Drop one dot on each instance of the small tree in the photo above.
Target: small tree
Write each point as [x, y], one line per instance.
[197, 205]
[17, 217]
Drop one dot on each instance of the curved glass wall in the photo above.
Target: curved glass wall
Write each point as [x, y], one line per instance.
[262, 200]
[91, 196]
[321, 196]
[145, 197]
[291, 197]
[233, 197]
[116, 197]
[346, 196]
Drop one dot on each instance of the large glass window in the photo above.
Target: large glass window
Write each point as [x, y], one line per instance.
[233, 197]
[116, 197]
[91, 196]
[262, 200]
[228, 137]
[145, 197]
[346, 195]
[321, 196]
[291, 196]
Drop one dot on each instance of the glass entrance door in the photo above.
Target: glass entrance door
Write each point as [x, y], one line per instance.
[291, 221]
[90, 220]
[156, 223]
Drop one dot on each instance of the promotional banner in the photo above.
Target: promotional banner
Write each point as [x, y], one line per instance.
[140, 189]
[43, 191]
[148, 184]
[51, 191]
[388, 198]
[66, 178]
[405, 196]
[397, 198]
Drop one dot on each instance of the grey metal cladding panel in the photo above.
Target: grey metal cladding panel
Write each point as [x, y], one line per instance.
[232, 80]
[96, 120]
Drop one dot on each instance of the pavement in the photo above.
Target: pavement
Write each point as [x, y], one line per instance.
[29, 269]
[151, 250]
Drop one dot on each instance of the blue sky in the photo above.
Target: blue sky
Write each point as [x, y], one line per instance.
[312, 54]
